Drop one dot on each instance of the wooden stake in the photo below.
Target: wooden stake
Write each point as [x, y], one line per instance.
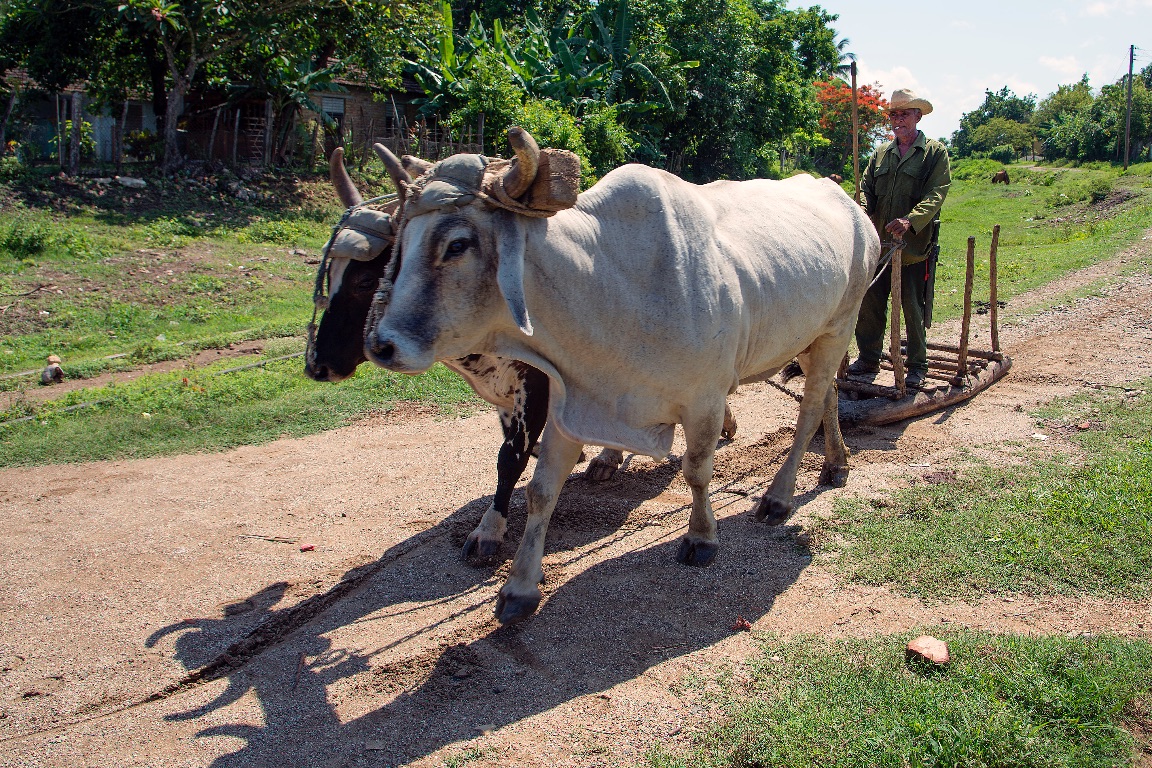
[897, 308]
[993, 306]
[212, 136]
[235, 136]
[962, 362]
[855, 136]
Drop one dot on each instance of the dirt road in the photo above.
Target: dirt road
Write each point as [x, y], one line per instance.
[378, 646]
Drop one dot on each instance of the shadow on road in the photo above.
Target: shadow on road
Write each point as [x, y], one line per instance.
[450, 677]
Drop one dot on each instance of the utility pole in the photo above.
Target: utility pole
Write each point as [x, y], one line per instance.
[1128, 116]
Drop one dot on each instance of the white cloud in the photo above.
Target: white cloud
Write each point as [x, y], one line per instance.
[1064, 65]
[891, 79]
[1107, 8]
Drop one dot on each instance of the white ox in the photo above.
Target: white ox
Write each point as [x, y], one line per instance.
[646, 304]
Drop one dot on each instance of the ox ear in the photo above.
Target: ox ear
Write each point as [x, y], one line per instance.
[511, 240]
[415, 166]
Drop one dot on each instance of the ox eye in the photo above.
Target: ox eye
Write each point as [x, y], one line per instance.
[456, 248]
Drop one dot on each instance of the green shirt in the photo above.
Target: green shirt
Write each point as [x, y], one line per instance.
[913, 187]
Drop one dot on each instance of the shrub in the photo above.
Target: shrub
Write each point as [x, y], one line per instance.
[1003, 154]
[552, 126]
[142, 145]
[87, 141]
[1099, 189]
[278, 232]
[23, 239]
[11, 168]
[609, 143]
[172, 232]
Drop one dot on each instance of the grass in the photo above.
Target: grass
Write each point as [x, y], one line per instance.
[1049, 225]
[203, 409]
[1003, 701]
[1070, 524]
[88, 271]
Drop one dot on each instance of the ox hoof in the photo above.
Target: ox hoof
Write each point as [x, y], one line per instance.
[773, 511]
[513, 608]
[729, 430]
[478, 551]
[837, 477]
[600, 471]
[696, 552]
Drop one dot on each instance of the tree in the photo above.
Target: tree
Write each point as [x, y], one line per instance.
[755, 89]
[1000, 131]
[192, 33]
[1003, 104]
[835, 100]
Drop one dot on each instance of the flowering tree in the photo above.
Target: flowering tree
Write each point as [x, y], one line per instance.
[835, 99]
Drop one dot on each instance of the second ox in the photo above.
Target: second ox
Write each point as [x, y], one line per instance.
[645, 301]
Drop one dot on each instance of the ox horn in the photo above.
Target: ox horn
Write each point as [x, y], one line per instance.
[395, 169]
[345, 189]
[523, 172]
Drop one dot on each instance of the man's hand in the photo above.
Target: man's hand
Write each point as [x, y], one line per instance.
[898, 226]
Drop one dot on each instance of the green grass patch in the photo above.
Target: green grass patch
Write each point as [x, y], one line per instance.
[202, 409]
[1003, 701]
[1052, 221]
[1069, 524]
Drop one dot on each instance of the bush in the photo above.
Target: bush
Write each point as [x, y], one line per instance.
[552, 126]
[278, 232]
[1003, 154]
[24, 239]
[609, 143]
[967, 170]
[11, 168]
[87, 141]
[1099, 189]
[142, 145]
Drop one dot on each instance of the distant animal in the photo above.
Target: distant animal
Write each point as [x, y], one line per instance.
[646, 300]
[1000, 177]
[358, 259]
[836, 178]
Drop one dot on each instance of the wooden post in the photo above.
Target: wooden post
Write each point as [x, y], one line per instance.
[59, 133]
[119, 149]
[367, 145]
[212, 136]
[897, 309]
[235, 135]
[993, 304]
[7, 116]
[74, 141]
[312, 146]
[855, 136]
[268, 121]
[962, 360]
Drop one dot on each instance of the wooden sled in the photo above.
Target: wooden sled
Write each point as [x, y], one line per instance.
[955, 372]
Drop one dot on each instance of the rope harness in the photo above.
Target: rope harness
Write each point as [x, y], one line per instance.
[320, 297]
[886, 259]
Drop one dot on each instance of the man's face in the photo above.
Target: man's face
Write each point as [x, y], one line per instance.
[904, 122]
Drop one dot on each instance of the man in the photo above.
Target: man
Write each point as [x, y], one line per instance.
[903, 188]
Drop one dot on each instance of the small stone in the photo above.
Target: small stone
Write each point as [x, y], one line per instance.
[927, 648]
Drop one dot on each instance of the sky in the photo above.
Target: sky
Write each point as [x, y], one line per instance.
[952, 52]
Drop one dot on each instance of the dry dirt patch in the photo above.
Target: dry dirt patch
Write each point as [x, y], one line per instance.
[378, 647]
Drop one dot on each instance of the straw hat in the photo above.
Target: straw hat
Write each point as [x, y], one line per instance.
[906, 98]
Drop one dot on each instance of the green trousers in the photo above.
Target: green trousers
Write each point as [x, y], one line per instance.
[872, 324]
